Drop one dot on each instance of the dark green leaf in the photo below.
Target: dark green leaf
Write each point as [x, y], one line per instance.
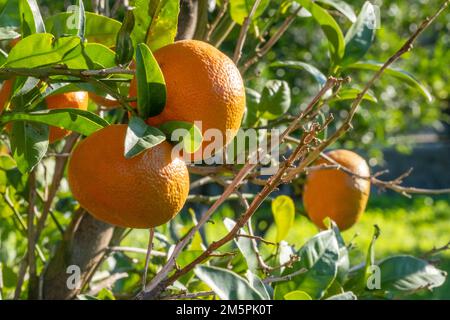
[352, 94]
[407, 273]
[319, 257]
[258, 285]
[275, 99]
[397, 73]
[244, 245]
[318, 76]
[329, 27]
[81, 121]
[10, 20]
[361, 34]
[342, 7]
[31, 19]
[141, 137]
[151, 87]
[99, 29]
[29, 143]
[124, 43]
[251, 112]
[227, 284]
[185, 132]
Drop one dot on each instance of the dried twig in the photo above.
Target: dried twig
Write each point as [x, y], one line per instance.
[287, 277]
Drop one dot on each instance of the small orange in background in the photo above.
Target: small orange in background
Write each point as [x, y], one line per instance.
[335, 194]
[142, 192]
[203, 84]
[75, 100]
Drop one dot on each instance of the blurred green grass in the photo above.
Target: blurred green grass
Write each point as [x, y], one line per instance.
[408, 226]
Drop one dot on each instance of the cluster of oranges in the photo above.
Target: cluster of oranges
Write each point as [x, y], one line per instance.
[149, 189]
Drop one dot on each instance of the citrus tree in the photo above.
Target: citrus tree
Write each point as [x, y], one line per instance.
[118, 116]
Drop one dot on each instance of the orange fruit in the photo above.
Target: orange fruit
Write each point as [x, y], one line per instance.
[75, 100]
[5, 93]
[203, 84]
[335, 194]
[104, 101]
[142, 192]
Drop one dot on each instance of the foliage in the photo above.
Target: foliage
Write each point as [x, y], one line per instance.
[285, 258]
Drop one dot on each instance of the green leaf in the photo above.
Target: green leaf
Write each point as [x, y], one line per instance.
[318, 76]
[105, 294]
[343, 296]
[42, 49]
[151, 87]
[101, 55]
[258, 285]
[342, 7]
[81, 121]
[99, 29]
[343, 264]
[77, 22]
[329, 27]
[407, 273]
[397, 73]
[156, 22]
[297, 295]
[253, 98]
[141, 137]
[240, 9]
[244, 245]
[361, 34]
[227, 284]
[124, 43]
[319, 257]
[275, 99]
[31, 19]
[352, 94]
[10, 20]
[29, 143]
[183, 132]
[283, 210]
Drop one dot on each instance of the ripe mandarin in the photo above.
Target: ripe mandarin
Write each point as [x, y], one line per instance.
[335, 194]
[142, 192]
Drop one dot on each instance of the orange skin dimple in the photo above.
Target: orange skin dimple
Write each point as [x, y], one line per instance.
[203, 84]
[335, 194]
[142, 192]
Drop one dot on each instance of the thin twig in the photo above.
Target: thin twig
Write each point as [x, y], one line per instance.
[218, 18]
[147, 258]
[153, 253]
[189, 295]
[244, 30]
[287, 277]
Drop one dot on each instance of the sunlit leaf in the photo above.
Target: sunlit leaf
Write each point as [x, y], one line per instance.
[297, 295]
[330, 27]
[141, 137]
[183, 132]
[397, 73]
[240, 9]
[361, 34]
[283, 210]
